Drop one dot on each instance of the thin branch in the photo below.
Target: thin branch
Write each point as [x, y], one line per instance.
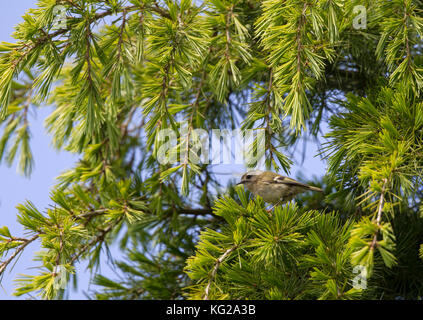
[195, 212]
[268, 103]
[91, 214]
[381, 202]
[301, 23]
[216, 267]
[379, 212]
[160, 11]
[93, 242]
[17, 251]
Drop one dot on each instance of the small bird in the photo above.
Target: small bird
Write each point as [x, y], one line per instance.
[272, 187]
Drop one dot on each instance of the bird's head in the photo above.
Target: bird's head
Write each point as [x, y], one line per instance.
[249, 178]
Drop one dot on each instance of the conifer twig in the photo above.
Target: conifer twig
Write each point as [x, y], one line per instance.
[99, 238]
[17, 251]
[216, 267]
[379, 212]
[381, 202]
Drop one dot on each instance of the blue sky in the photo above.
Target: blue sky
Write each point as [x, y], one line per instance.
[49, 163]
[14, 188]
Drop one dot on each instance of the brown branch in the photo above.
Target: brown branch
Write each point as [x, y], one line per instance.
[17, 251]
[268, 103]
[99, 212]
[91, 214]
[161, 11]
[100, 237]
[195, 212]
[96, 240]
[122, 29]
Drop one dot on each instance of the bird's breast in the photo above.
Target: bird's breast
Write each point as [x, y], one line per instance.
[273, 194]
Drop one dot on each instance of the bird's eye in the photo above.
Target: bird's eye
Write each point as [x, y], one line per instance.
[248, 176]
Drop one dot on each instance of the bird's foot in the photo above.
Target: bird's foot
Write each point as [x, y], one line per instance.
[270, 210]
[272, 207]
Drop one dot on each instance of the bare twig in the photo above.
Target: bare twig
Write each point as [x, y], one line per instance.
[379, 212]
[381, 202]
[195, 212]
[216, 267]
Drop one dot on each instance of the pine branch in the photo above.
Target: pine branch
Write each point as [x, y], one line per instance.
[379, 212]
[17, 251]
[216, 267]
[195, 212]
[99, 238]
[162, 12]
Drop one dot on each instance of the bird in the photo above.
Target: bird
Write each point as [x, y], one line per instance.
[272, 187]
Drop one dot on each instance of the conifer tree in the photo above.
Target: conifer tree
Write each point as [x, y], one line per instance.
[120, 73]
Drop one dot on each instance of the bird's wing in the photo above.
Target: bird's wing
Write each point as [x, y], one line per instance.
[279, 179]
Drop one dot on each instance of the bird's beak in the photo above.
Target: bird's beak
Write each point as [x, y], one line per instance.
[242, 182]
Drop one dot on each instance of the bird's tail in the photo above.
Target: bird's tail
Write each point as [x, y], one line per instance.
[315, 189]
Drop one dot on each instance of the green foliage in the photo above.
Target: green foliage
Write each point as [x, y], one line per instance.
[288, 254]
[378, 138]
[118, 73]
[363, 243]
